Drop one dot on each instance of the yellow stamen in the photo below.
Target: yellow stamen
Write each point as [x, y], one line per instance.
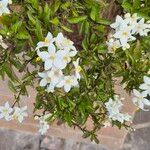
[68, 81]
[46, 40]
[78, 69]
[38, 59]
[125, 33]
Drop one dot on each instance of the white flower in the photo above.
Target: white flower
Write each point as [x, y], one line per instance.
[139, 99]
[45, 78]
[146, 85]
[43, 124]
[20, 113]
[10, 1]
[124, 35]
[63, 57]
[141, 28]
[121, 117]
[68, 82]
[77, 69]
[113, 45]
[5, 111]
[56, 75]
[113, 107]
[47, 41]
[118, 23]
[131, 19]
[3, 7]
[64, 43]
[2, 43]
[43, 127]
[49, 57]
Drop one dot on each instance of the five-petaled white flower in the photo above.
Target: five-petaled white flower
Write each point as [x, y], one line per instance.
[63, 57]
[47, 41]
[131, 19]
[68, 82]
[5, 112]
[19, 113]
[63, 43]
[141, 28]
[114, 107]
[4, 7]
[77, 69]
[146, 86]
[43, 124]
[140, 100]
[49, 57]
[56, 75]
[124, 35]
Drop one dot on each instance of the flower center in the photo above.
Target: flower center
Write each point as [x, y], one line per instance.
[46, 40]
[125, 33]
[66, 58]
[48, 79]
[78, 69]
[52, 57]
[68, 81]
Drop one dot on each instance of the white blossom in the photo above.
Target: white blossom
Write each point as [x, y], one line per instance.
[43, 124]
[19, 113]
[4, 7]
[131, 19]
[64, 43]
[5, 112]
[47, 41]
[114, 107]
[118, 23]
[141, 28]
[124, 35]
[63, 57]
[146, 85]
[68, 82]
[113, 45]
[140, 100]
[49, 57]
[45, 78]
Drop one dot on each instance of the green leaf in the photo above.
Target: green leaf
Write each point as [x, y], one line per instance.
[103, 21]
[38, 31]
[66, 28]
[16, 26]
[55, 21]
[137, 4]
[127, 6]
[46, 14]
[32, 19]
[95, 12]
[76, 19]
[22, 35]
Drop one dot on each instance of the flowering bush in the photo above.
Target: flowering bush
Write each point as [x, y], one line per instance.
[76, 52]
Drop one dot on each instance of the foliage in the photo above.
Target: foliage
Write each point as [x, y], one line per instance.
[84, 23]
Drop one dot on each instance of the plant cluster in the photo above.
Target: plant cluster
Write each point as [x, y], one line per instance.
[76, 53]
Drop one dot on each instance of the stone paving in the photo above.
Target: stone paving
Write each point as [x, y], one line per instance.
[136, 140]
[140, 138]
